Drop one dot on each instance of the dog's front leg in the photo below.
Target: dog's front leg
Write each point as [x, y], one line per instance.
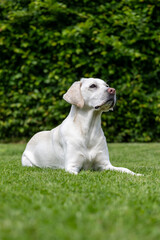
[118, 169]
[72, 165]
[103, 163]
[73, 160]
[121, 169]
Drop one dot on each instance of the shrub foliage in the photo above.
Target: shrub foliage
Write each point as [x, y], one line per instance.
[46, 45]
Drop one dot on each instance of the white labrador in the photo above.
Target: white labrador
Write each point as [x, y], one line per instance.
[79, 142]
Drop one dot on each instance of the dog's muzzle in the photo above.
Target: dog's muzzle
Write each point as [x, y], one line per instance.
[110, 102]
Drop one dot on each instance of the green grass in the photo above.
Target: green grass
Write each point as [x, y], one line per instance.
[52, 204]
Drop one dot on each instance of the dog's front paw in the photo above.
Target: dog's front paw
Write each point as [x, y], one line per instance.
[72, 171]
[139, 174]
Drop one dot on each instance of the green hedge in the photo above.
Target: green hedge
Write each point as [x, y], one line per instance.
[47, 45]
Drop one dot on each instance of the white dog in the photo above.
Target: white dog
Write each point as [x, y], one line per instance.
[78, 143]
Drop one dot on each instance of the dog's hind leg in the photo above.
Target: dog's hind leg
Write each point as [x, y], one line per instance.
[26, 162]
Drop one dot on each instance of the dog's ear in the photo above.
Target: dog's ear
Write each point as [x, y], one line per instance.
[74, 96]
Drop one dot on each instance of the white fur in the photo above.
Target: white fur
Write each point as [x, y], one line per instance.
[78, 142]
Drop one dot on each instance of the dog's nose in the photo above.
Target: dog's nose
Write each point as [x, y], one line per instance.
[111, 91]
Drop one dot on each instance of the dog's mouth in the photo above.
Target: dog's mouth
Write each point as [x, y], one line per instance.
[107, 104]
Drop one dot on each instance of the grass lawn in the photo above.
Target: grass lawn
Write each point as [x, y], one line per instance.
[44, 204]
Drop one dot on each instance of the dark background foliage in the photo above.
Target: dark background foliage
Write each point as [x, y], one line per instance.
[47, 45]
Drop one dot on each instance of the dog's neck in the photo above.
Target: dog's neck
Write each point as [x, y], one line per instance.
[88, 120]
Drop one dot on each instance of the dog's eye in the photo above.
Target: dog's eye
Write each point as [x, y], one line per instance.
[93, 86]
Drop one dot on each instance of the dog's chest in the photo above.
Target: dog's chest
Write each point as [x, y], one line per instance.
[89, 159]
[92, 149]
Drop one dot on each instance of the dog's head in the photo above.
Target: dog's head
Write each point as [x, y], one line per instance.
[93, 93]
